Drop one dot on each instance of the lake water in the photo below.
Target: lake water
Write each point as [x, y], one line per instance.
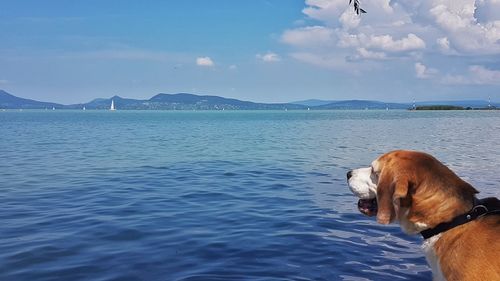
[243, 195]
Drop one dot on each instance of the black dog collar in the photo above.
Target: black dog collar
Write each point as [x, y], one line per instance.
[487, 206]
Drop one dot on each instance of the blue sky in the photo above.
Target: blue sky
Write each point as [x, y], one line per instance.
[260, 50]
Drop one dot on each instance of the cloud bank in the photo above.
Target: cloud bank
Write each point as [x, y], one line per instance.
[401, 30]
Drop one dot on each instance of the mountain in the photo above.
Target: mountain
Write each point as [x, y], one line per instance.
[121, 103]
[362, 104]
[313, 102]
[184, 101]
[8, 101]
[180, 101]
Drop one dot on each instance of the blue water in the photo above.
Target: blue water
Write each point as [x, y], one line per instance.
[245, 195]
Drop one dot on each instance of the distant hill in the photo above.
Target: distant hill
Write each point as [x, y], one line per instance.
[367, 104]
[190, 101]
[362, 104]
[121, 103]
[185, 101]
[162, 101]
[350, 104]
[313, 102]
[8, 101]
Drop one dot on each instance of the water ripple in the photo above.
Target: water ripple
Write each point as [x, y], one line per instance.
[215, 196]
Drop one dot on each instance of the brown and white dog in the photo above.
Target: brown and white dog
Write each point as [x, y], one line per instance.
[462, 234]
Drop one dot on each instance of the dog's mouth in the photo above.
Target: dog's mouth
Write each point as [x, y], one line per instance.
[368, 206]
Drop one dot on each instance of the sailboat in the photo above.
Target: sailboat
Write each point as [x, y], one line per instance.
[112, 105]
[84, 108]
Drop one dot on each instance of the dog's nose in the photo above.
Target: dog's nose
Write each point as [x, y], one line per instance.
[349, 175]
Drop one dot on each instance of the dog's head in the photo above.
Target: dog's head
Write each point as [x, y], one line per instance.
[411, 187]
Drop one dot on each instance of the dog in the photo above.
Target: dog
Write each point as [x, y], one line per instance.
[461, 233]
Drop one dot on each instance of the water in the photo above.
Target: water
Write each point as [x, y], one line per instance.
[138, 195]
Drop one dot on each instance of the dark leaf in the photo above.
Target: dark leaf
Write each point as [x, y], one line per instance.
[357, 8]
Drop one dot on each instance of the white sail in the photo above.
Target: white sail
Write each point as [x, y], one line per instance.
[112, 105]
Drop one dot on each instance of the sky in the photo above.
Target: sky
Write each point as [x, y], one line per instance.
[70, 51]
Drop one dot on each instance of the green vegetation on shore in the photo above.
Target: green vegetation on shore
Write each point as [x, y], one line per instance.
[440, 107]
[451, 107]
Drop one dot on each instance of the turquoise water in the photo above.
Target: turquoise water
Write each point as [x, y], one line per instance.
[242, 195]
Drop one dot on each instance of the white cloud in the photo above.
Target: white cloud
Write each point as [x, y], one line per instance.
[384, 42]
[323, 10]
[3, 81]
[385, 5]
[329, 11]
[423, 72]
[333, 13]
[470, 26]
[311, 36]
[349, 19]
[404, 33]
[381, 34]
[233, 67]
[320, 37]
[204, 61]
[269, 57]
[420, 70]
[443, 43]
[477, 75]
[459, 20]
[364, 53]
[482, 75]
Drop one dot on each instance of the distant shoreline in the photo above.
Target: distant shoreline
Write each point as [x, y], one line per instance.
[188, 102]
[424, 108]
[451, 107]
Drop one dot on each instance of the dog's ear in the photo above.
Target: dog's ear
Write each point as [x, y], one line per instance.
[390, 191]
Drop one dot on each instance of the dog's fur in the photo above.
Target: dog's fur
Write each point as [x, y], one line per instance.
[419, 192]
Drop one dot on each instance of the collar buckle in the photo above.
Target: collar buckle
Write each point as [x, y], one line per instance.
[479, 210]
